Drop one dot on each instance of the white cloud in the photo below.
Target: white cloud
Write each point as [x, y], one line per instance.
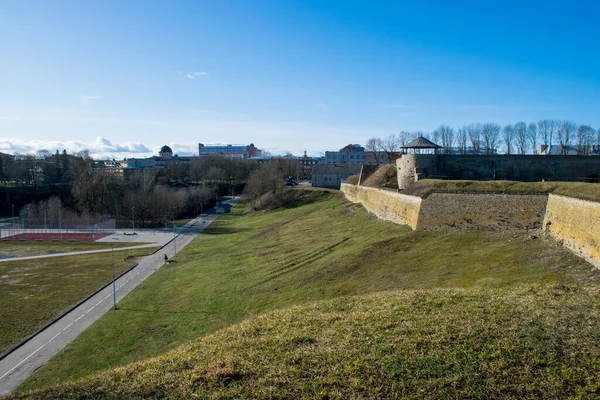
[193, 75]
[99, 148]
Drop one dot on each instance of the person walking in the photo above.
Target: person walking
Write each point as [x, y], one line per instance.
[166, 259]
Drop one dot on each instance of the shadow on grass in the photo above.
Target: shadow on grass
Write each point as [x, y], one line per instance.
[162, 311]
[224, 230]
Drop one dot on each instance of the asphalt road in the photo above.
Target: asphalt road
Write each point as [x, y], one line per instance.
[22, 362]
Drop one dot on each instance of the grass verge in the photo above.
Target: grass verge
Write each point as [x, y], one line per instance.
[525, 342]
[250, 263]
[34, 292]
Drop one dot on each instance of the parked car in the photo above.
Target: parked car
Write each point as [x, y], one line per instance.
[291, 182]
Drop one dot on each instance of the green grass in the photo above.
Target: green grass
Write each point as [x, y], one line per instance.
[33, 292]
[579, 190]
[251, 263]
[525, 342]
[19, 249]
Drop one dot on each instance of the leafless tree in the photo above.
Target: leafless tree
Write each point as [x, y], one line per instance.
[547, 129]
[546, 132]
[521, 137]
[532, 135]
[474, 131]
[508, 133]
[404, 138]
[435, 136]
[585, 139]
[390, 144]
[268, 178]
[373, 148]
[490, 132]
[566, 133]
[446, 134]
[463, 140]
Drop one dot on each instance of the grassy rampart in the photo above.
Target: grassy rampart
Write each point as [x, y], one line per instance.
[250, 263]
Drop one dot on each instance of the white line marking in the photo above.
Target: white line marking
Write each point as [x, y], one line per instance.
[121, 285]
[67, 327]
[107, 296]
[98, 303]
[90, 310]
[54, 337]
[79, 318]
[27, 358]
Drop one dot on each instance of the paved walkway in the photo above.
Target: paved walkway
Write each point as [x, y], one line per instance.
[22, 362]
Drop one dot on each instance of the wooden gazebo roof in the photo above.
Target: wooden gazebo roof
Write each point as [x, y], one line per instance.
[422, 143]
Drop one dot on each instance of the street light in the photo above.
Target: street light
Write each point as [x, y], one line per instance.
[113, 276]
[174, 237]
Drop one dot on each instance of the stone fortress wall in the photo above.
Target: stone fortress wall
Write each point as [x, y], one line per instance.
[574, 222]
[386, 204]
[526, 168]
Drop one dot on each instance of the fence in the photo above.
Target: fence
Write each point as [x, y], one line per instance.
[82, 229]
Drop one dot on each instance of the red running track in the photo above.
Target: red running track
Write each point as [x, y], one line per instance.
[49, 237]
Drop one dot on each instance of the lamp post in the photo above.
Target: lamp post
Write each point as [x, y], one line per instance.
[113, 279]
[174, 237]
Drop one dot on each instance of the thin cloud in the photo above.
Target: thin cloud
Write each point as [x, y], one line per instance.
[194, 75]
[321, 105]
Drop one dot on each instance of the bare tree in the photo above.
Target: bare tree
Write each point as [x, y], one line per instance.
[474, 131]
[508, 133]
[462, 139]
[389, 145]
[490, 132]
[521, 137]
[435, 136]
[373, 148]
[404, 138]
[446, 135]
[547, 130]
[532, 135]
[566, 133]
[585, 139]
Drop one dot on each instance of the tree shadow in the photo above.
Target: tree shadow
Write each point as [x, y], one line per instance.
[224, 230]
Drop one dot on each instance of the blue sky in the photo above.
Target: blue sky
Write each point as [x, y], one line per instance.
[285, 75]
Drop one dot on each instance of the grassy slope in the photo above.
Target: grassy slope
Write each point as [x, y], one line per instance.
[579, 190]
[528, 342]
[250, 264]
[33, 292]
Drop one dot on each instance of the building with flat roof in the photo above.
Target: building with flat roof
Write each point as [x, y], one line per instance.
[229, 150]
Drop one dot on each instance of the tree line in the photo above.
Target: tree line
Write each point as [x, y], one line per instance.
[151, 196]
[487, 138]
